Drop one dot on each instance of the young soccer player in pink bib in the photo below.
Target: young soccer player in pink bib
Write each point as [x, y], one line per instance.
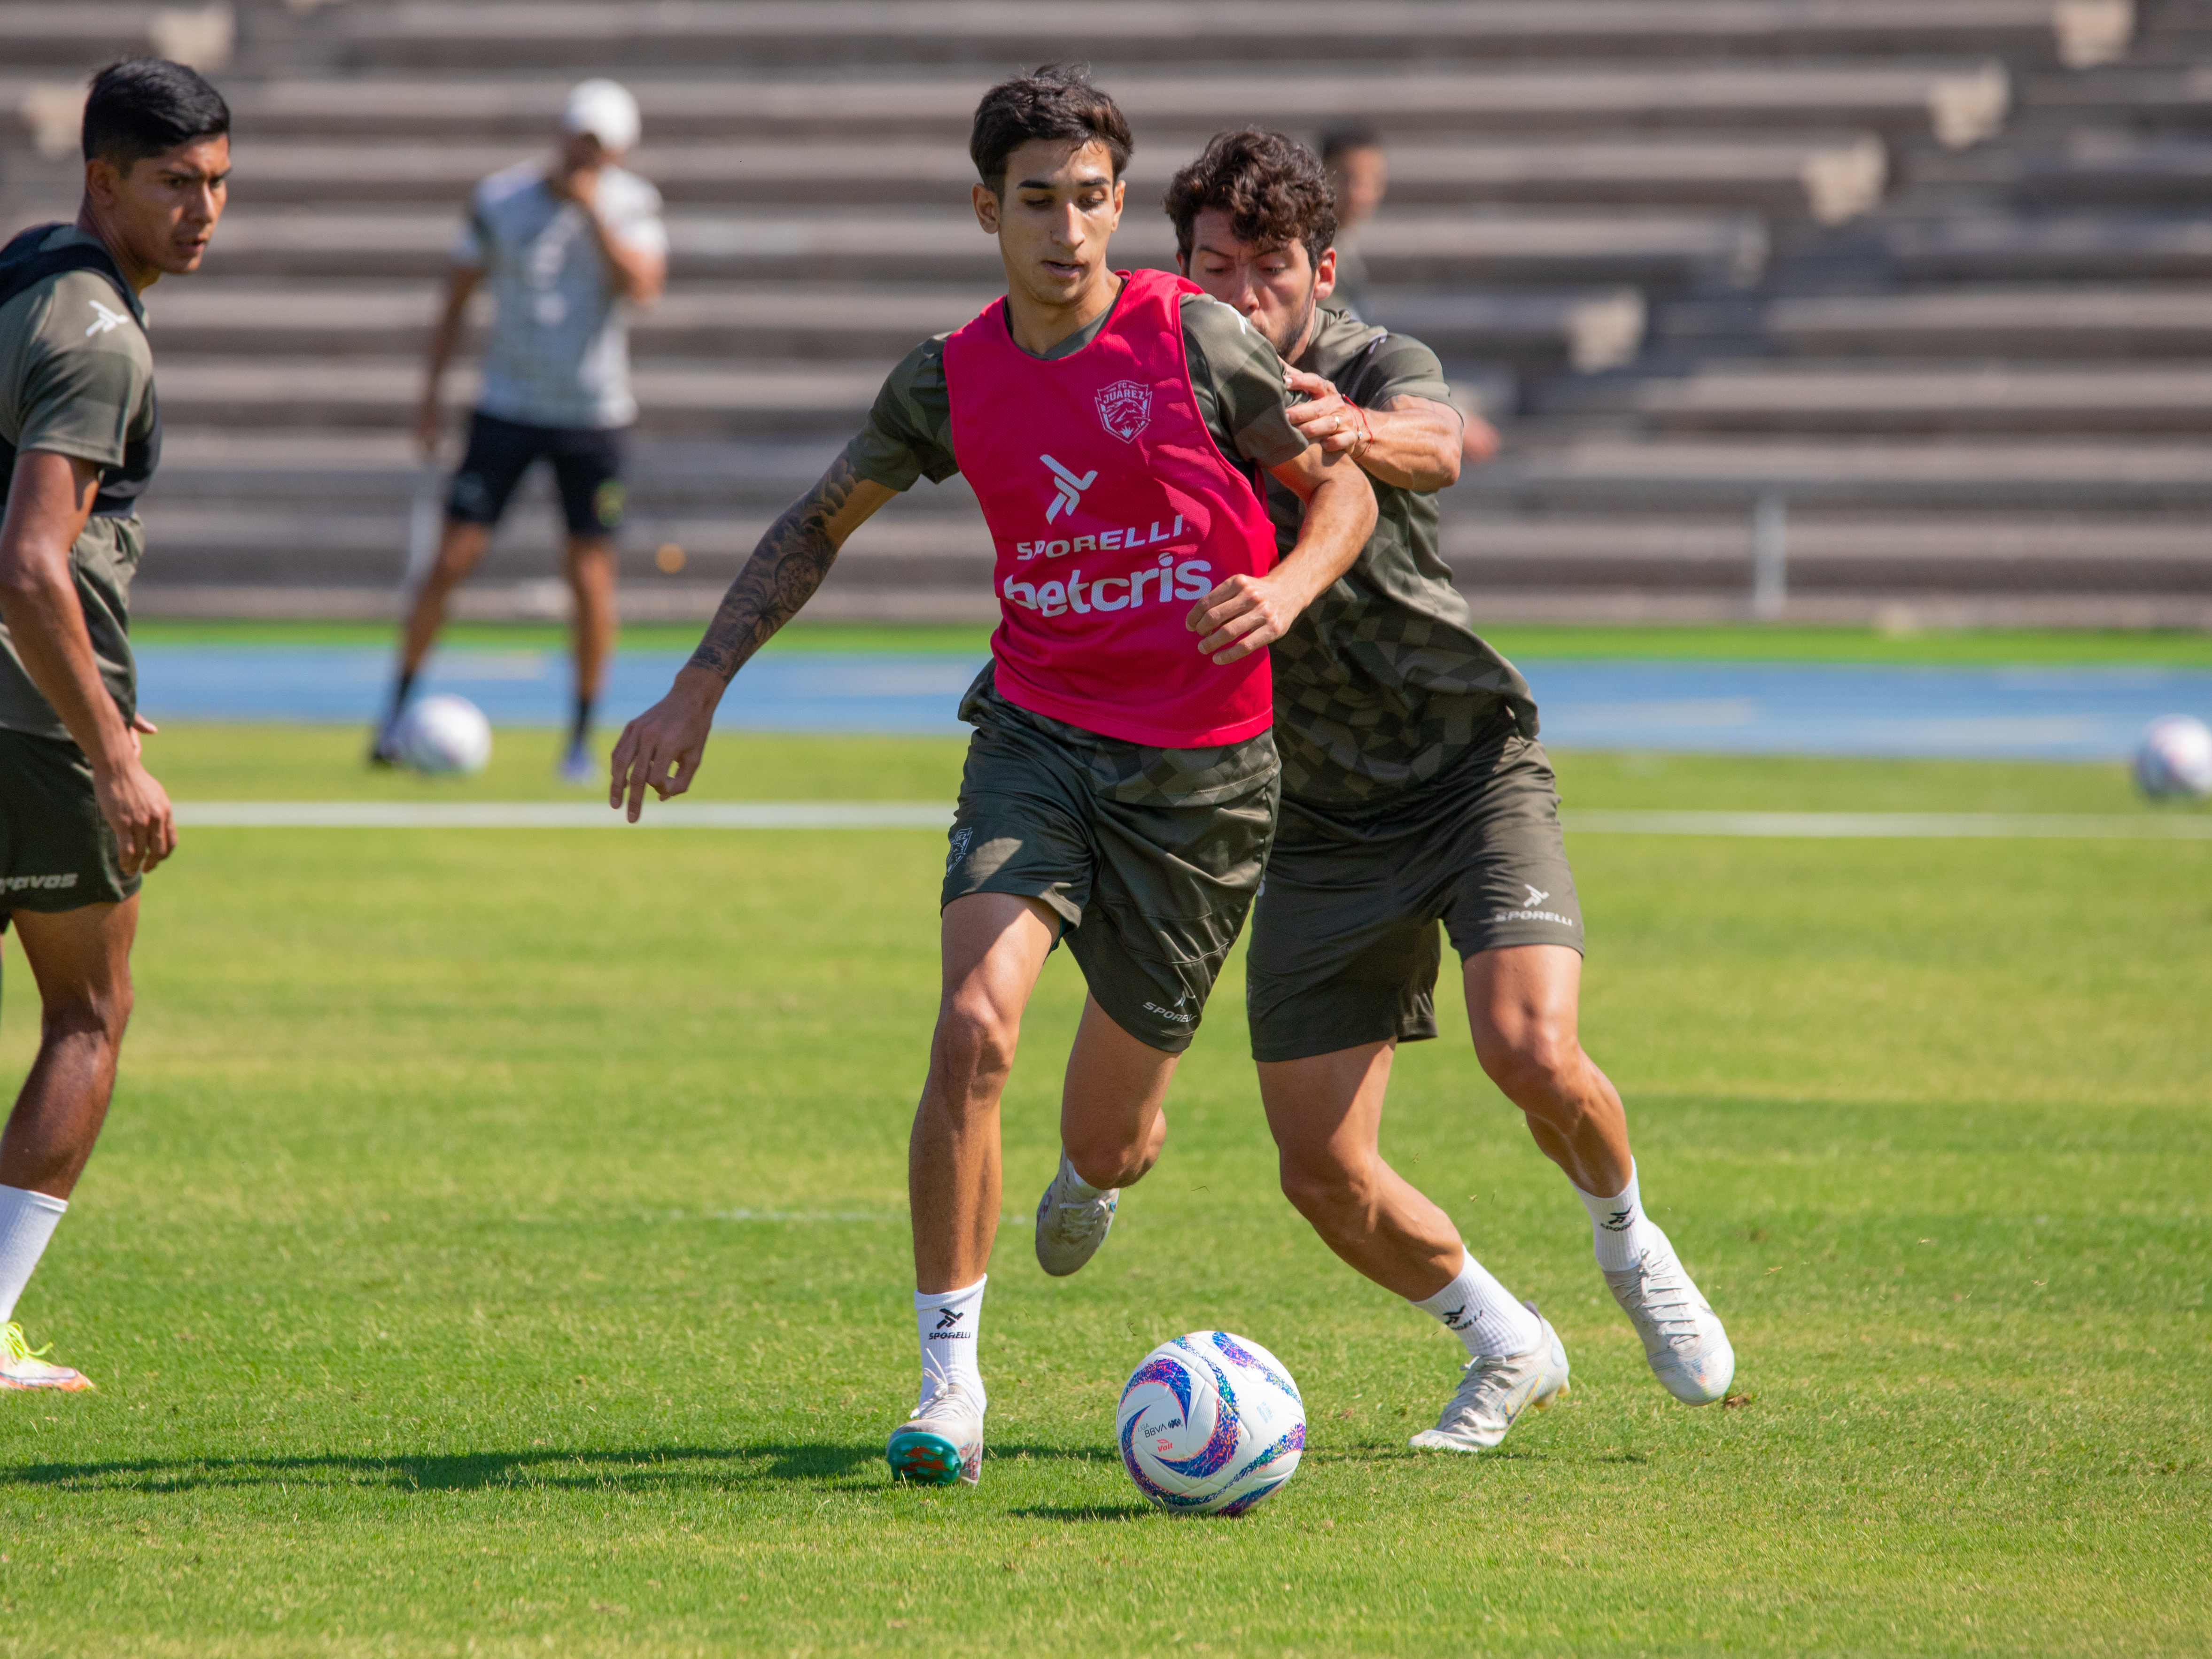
[1121, 788]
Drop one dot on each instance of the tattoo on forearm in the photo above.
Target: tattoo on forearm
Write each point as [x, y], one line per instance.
[785, 567]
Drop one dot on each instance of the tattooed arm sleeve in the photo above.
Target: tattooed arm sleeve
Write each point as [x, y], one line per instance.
[790, 562]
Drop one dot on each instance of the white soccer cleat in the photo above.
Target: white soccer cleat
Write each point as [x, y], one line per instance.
[579, 770]
[22, 1367]
[1070, 1229]
[1682, 1336]
[941, 1443]
[1495, 1390]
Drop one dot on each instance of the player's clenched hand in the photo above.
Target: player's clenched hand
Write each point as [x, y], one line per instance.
[137, 810]
[1324, 417]
[1243, 615]
[660, 748]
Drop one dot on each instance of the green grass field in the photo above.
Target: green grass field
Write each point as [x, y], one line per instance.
[498, 1247]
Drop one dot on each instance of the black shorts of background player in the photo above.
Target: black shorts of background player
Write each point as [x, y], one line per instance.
[567, 248]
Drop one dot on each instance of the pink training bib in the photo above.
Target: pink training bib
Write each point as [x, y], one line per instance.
[1111, 509]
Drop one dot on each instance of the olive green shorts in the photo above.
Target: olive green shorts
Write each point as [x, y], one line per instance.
[1149, 856]
[56, 852]
[1343, 938]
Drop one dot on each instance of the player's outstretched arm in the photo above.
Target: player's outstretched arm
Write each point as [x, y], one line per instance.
[49, 498]
[1247, 613]
[1414, 443]
[660, 748]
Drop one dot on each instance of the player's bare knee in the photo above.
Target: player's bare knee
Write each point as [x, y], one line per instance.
[98, 1014]
[976, 1040]
[1536, 1062]
[1105, 1157]
[1320, 1184]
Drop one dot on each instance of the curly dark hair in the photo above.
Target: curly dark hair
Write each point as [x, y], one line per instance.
[1058, 104]
[1273, 189]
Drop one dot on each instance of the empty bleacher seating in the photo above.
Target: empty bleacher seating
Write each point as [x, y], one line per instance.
[1928, 271]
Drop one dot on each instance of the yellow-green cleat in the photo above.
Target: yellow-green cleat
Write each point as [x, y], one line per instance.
[22, 1366]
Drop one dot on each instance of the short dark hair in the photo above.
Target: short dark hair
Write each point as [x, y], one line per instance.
[144, 106]
[1339, 141]
[1057, 103]
[1273, 189]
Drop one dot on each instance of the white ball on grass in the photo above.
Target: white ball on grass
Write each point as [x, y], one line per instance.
[444, 734]
[2175, 758]
[1210, 1423]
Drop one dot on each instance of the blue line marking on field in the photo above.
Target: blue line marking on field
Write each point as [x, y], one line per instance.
[1807, 709]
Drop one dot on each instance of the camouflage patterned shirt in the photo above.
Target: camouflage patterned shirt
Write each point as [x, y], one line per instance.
[1383, 680]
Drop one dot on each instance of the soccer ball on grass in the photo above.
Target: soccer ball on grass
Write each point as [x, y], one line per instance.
[443, 733]
[1210, 1423]
[2175, 758]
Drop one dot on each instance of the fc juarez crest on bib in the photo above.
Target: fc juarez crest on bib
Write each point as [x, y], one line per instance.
[1125, 409]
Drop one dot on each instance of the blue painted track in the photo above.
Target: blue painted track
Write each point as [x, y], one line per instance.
[1810, 708]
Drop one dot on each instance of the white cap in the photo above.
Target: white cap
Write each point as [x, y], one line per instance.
[606, 111]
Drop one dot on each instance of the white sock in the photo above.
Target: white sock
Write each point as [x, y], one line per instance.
[1482, 1313]
[27, 1220]
[1620, 1232]
[1083, 1190]
[947, 1324]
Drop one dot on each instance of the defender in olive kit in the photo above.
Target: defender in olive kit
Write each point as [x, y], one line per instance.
[1414, 791]
[81, 819]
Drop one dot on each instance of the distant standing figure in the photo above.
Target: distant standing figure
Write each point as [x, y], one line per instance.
[1360, 174]
[568, 249]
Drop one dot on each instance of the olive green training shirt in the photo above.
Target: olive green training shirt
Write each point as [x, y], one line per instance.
[1383, 680]
[77, 378]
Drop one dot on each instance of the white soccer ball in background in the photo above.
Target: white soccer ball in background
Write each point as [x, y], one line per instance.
[1210, 1423]
[444, 734]
[2175, 758]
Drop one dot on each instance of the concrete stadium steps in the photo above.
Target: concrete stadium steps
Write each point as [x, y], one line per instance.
[1495, 247]
[1921, 269]
[762, 398]
[85, 31]
[1960, 101]
[1831, 554]
[1811, 396]
[650, 35]
[1587, 329]
[2084, 247]
[1563, 470]
[2117, 321]
[242, 469]
[1831, 177]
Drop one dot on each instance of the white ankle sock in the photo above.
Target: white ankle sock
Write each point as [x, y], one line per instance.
[1620, 1231]
[1082, 1190]
[27, 1220]
[948, 1325]
[1482, 1313]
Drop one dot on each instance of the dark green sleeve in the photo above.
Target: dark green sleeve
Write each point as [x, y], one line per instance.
[1239, 382]
[1400, 368]
[909, 430]
[87, 378]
